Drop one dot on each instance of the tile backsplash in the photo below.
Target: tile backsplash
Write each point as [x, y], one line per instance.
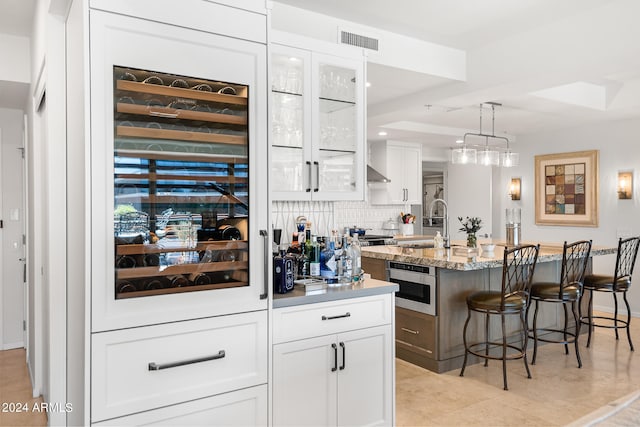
[327, 216]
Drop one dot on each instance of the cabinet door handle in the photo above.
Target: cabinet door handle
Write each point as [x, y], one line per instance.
[156, 367]
[267, 255]
[317, 187]
[347, 314]
[308, 190]
[335, 357]
[344, 355]
[411, 331]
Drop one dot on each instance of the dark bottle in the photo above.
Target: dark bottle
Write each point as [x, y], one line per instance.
[283, 272]
[152, 260]
[199, 279]
[179, 281]
[125, 261]
[123, 286]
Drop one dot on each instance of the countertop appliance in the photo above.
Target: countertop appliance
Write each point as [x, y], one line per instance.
[376, 240]
[417, 286]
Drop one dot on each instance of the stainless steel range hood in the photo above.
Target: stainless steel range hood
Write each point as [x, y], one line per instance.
[375, 176]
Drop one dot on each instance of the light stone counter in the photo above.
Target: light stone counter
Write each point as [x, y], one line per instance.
[458, 257]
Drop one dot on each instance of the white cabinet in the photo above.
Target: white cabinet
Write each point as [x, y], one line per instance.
[344, 378]
[318, 116]
[178, 138]
[401, 163]
[246, 407]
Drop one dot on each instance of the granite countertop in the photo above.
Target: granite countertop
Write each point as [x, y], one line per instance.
[458, 257]
[366, 287]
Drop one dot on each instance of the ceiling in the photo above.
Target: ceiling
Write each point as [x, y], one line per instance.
[548, 64]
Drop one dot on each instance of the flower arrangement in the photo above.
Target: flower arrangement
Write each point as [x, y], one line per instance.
[471, 226]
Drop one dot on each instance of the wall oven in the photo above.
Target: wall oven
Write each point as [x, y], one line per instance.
[417, 286]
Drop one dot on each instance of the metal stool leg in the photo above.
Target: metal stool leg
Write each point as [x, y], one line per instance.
[590, 317]
[577, 320]
[525, 335]
[486, 340]
[615, 314]
[464, 340]
[624, 296]
[566, 321]
[504, 352]
[535, 334]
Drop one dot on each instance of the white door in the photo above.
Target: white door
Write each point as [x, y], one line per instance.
[304, 382]
[365, 380]
[395, 160]
[12, 249]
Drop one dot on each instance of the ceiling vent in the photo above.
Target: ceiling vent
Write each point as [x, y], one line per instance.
[358, 40]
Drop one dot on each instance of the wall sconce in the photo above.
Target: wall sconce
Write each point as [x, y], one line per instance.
[625, 185]
[514, 188]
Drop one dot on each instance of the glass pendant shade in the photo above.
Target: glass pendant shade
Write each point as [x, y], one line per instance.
[510, 159]
[464, 156]
[489, 157]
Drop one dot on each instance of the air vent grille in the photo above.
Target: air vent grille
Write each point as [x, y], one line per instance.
[353, 39]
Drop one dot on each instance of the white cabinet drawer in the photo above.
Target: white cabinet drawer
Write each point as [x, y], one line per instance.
[138, 369]
[302, 321]
[247, 407]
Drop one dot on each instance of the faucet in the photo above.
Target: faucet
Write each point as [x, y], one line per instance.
[445, 217]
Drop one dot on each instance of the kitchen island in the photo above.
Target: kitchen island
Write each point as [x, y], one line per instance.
[433, 338]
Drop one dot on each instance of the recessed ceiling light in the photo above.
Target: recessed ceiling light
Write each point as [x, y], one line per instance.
[293, 59]
[382, 133]
[459, 141]
[368, 84]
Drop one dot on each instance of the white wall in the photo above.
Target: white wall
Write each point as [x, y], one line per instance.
[619, 150]
[16, 61]
[11, 308]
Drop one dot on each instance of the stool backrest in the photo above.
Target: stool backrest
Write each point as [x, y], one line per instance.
[517, 271]
[575, 257]
[626, 258]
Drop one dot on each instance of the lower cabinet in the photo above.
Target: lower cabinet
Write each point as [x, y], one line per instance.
[153, 367]
[247, 407]
[345, 378]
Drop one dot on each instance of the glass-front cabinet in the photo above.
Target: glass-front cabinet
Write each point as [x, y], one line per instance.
[317, 125]
[178, 175]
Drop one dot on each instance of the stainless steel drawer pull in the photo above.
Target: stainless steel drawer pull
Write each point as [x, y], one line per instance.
[267, 260]
[347, 314]
[153, 366]
[411, 331]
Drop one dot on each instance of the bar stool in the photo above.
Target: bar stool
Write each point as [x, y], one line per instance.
[619, 282]
[513, 298]
[574, 263]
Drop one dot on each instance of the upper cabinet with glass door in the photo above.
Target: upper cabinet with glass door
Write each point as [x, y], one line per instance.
[317, 134]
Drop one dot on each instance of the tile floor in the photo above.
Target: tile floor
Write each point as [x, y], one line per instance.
[557, 394]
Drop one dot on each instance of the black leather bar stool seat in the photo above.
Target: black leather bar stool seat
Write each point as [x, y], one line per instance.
[512, 299]
[566, 291]
[620, 282]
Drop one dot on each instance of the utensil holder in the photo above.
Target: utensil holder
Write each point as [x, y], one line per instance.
[406, 229]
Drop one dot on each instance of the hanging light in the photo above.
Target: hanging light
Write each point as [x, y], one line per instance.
[488, 155]
[464, 156]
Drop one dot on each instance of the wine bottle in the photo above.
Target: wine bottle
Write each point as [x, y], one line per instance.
[314, 257]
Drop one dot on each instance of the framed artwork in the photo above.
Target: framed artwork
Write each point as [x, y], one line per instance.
[567, 189]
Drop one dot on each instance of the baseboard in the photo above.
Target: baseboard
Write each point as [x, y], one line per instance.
[621, 310]
[34, 391]
[13, 345]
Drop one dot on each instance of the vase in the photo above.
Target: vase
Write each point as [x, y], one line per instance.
[472, 240]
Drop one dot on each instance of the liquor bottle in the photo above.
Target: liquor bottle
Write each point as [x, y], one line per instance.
[328, 263]
[347, 260]
[356, 253]
[314, 257]
[283, 274]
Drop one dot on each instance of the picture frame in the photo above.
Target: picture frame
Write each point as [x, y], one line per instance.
[566, 189]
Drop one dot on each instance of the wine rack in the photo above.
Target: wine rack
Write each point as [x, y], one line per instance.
[180, 164]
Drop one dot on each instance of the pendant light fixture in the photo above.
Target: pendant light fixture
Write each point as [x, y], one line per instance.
[488, 155]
